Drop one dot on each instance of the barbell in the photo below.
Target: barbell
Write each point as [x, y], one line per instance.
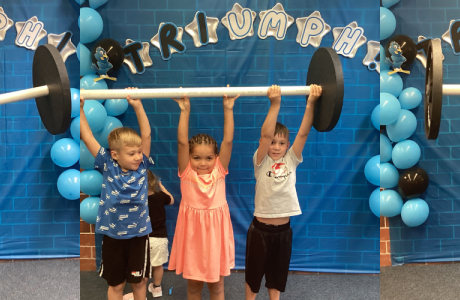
[435, 89]
[52, 90]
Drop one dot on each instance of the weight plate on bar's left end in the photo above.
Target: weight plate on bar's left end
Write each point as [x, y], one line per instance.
[433, 90]
[49, 69]
[325, 70]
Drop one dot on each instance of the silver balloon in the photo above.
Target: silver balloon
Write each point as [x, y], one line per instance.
[156, 40]
[144, 54]
[373, 49]
[239, 16]
[5, 24]
[193, 30]
[68, 49]
[446, 36]
[338, 31]
[265, 30]
[314, 40]
[36, 25]
[421, 53]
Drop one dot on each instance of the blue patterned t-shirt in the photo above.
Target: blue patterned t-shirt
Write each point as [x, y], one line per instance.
[123, 209]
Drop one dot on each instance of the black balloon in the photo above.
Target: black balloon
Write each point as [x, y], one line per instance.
[400, 51]
[107, 56]
[413, 182]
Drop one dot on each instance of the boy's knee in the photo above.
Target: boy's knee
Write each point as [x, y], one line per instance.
[117, 288]
[139, 285]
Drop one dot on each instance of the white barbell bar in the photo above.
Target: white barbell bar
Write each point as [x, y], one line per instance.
[24, 94]
[451, 89]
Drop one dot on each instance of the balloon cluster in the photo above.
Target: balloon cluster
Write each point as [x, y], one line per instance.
[387, 19]
[393, 114]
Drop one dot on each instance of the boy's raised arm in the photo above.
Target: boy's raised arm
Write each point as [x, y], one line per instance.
[182, 133]
[229, 128]
[85, 132]
[144, 124]
[307, 121]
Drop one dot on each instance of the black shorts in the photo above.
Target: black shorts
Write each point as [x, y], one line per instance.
[268, 252]
[125, 260]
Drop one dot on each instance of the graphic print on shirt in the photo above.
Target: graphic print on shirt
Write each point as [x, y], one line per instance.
[279, 171]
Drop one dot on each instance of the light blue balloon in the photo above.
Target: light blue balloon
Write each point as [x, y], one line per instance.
[389, 108]
[95, 114]
[96, 3]
[389, 176]
[78, 51]
[391, 84]
[85, 61]
[88, 83]
[372, 170]
[91, 25]
[385, 149]
[75, 129]
[388, 3]
[391, 203]
[415, 212]
[406, 154]
[88, 209]
[387, 23]
[110, 124]
[403, 128]
[68, 184]
[375, 117]
[116, 107]
[80, 1]
[75, 95]
[91, 182]
[374, 202]
[383, 64]
[65, 152]
[86, 158]
[410, 98]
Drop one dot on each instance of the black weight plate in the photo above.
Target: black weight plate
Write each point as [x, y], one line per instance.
[325, 70]
[49, 69]
[433, 90]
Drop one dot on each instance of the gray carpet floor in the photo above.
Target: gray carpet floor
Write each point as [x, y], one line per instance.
[430, 282]
[40, 280]
[299, 287]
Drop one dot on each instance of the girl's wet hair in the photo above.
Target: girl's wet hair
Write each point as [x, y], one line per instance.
[203, 139]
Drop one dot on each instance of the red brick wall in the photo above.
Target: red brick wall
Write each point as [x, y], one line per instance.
[87, 244]
[385, 249]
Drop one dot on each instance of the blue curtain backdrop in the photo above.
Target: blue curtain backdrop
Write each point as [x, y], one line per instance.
[438, 239]
[337, 231]
[35, 220]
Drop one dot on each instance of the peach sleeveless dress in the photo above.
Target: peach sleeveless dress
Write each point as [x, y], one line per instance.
[203, 247]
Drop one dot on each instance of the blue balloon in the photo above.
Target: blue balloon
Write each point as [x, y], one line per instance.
[375, 117]
[389, 108]
[88, 83]
[91, 25]
[95, 114]
[88, 209]
[78, 51]
[385, 149]
[75, 94]
[110, 124]
[410, 98]
[116, 107]
[406, 154]
[75, 129]
[391, 84]
[374, 202]
[391, 203]
[383, 64]
[388, 3]
[389, 176]
[91, 182]
[80, 1]
[415, 212]
[403, 128]
[68, 184]
[96, 3]
[372, 170]
[387, 23]
[86, 158]
[65, 152]
[85, 61]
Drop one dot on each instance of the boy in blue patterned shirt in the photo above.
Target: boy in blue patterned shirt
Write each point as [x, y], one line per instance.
[123, 215]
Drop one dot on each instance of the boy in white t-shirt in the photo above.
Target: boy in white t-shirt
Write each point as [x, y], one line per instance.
[269, 240]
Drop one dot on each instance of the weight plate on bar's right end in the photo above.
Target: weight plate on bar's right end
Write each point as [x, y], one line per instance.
[433, 90]
[325, 70]
[48, 69]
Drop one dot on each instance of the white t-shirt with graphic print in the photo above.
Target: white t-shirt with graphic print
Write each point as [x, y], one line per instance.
[276, 196]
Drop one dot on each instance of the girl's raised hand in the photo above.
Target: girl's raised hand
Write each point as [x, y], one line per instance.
[229, 102]
[133, 102]
[184, 103]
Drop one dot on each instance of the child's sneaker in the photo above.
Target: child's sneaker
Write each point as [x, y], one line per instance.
[156, 292]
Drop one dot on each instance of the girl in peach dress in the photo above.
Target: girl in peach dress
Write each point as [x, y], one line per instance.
[203, 247]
